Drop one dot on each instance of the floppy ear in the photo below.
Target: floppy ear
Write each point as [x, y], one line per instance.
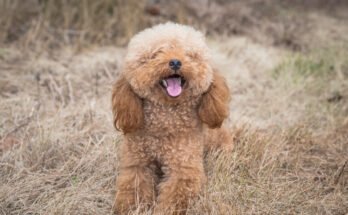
[126, 107]
[214, 105]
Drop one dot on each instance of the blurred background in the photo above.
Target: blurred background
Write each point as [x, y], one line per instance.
[287, 23]
[286, 62]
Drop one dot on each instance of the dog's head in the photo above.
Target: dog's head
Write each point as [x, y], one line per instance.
[168, 64]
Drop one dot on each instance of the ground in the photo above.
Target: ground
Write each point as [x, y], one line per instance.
[289, 114]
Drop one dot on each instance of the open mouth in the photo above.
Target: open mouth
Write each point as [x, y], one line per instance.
[173, 85]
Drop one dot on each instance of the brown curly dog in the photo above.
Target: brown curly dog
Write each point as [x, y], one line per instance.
[170, 104]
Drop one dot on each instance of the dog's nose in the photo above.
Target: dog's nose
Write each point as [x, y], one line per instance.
[174, 64]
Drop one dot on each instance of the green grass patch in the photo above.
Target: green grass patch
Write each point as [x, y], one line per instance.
[300, 66]
[321, 64]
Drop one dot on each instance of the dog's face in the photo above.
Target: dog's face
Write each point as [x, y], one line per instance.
[168, 64]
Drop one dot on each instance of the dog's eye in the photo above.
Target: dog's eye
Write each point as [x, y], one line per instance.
[148, 57]
[194, 55]
[155, 54]
[142, 60]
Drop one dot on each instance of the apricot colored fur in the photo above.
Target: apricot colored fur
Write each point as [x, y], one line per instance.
[161, 157]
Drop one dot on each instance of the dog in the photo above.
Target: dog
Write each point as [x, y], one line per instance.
[169, 103]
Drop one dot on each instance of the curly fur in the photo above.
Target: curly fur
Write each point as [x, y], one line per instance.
[161, 159]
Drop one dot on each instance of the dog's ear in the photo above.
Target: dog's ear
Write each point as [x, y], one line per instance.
[126, 107]
[214, 107]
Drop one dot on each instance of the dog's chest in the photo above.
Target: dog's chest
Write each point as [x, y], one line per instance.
[165, 119]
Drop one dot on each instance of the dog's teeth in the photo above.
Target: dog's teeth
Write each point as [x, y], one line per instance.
[164, 83]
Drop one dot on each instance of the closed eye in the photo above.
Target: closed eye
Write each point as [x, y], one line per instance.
[194, 56]
[142, 60]
[150, 56]
[155, 54]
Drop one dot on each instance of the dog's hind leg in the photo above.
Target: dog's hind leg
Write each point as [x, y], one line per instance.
[218, 139]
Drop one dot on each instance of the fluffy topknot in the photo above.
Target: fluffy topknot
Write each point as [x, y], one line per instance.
[160, 35]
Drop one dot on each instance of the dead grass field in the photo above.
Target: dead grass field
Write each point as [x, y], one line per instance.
[58, 148]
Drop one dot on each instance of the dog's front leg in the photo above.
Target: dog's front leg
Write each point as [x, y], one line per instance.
[182, 183]
[135, 185]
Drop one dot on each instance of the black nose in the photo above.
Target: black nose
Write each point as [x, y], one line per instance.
[174, 64]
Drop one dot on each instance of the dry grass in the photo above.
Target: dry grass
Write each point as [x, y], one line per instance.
[287, 24]
[58, 149]
[79, 23]
[291, 143]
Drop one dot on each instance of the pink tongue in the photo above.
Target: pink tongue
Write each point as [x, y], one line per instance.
[173, 86]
